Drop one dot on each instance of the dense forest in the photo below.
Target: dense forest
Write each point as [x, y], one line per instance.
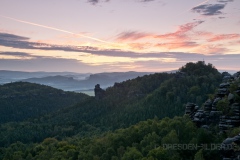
[145, 140]
[127, 122]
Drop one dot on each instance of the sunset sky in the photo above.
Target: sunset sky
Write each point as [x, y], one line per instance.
[118, 35]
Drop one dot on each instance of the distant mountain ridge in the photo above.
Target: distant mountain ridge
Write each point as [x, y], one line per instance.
[10, 74]
[70, 81]
[13, 76]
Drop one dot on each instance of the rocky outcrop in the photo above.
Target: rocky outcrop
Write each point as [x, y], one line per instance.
[191, 110]
[99, 92]
[210, 115]
[232, 119]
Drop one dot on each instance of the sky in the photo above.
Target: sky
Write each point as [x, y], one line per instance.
[92, 36]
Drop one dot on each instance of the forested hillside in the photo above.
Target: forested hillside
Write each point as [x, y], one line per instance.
[21, 100]
[148, 140]
[157, 95]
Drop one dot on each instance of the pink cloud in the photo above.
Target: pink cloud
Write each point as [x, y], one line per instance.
[184, 37]
[181, 32]
[223, 37]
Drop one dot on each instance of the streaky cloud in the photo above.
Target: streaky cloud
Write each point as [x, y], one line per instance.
[7, 36]
[25, 44]
[132, 35]
[94, 2]
[181, 32]
[222, 37]
[146, 0]
[177, 45]
[19, 54]
[50, 64]
[225, 1]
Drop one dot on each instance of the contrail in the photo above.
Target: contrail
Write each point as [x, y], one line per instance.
[56, 29]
